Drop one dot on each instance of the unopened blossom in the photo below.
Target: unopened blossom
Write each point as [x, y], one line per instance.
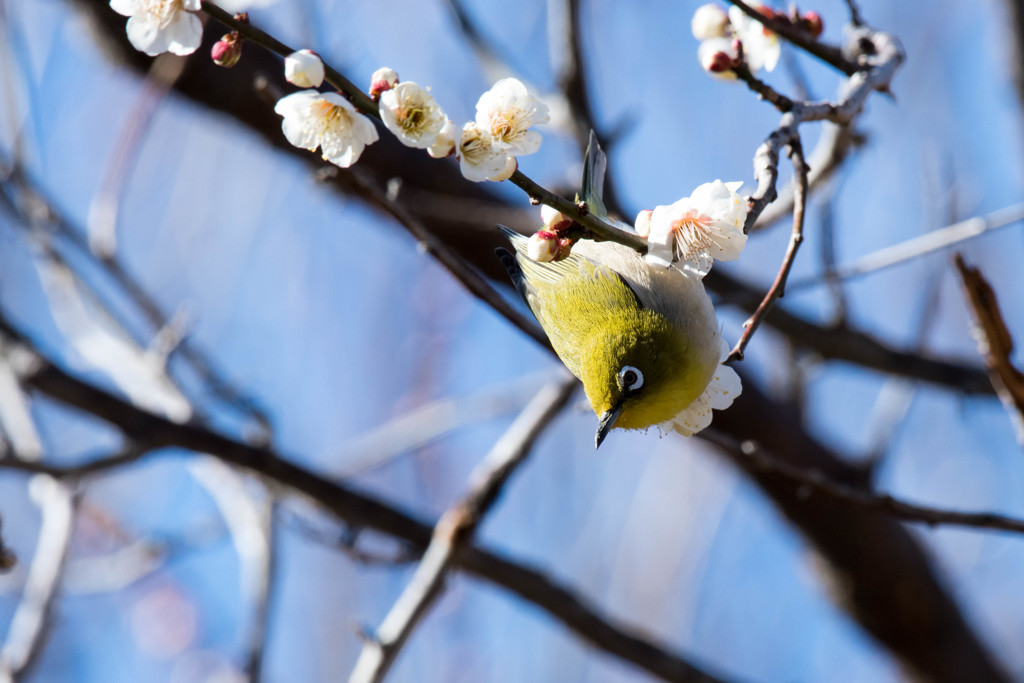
[699, 229]
[227, 51]
[304, 69]
[642, 225]
[709, 21]
[717, 57]
[761, 47]
[812, 20]
[158, 26]
[479, 158]
[507, 170]
[553, 218]
[444, 144]
[410, 112]
[382, 80]
[719, 394]
[543, 246]
[507, 111]
[327, 121]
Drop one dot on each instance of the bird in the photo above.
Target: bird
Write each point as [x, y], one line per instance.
[643, 339]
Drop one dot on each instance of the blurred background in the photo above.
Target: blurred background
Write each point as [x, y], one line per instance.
[160, 241]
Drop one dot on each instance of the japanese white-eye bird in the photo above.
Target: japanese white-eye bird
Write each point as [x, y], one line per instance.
[642, 338]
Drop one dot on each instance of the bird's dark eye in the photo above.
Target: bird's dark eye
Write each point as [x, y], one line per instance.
[630, 378]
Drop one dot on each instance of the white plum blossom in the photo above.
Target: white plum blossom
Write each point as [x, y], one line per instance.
[328, 121]
[444, 144]
[304, 69]
[507, 111]
[158, 26]
[719, 394]
[701, 228]
[709, 21]
[410, 112]
[479, 158]
[761, 47]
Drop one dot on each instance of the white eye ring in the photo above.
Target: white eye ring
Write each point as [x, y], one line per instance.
[630, 378]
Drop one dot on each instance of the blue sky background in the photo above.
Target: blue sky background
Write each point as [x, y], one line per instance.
[328, 315]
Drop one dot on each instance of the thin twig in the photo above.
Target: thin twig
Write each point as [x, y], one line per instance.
[778, 288]
[812, 481]
[855, 17]
[456, 529]
[763, 90]
[994, 343]
[27, 632]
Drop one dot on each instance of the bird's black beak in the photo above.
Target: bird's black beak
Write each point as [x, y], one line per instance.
[606, 422]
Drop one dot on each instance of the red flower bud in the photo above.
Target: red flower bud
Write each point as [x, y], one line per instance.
[227, 51]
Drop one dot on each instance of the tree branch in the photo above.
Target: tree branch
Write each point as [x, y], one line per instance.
[456, 529]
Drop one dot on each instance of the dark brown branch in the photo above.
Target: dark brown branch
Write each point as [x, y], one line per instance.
[363, 510]
[809, 482]
[849, 345]
[778, 288]
[994, 342]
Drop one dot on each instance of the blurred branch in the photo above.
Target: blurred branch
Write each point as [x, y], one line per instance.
[808, 482]
[357, 509]
[27, 631]
[7, 557]
[994, 342]
[456, 529]
[249, 518]
[458, 268]
[103, 211]
[778, 288]
[855, 17]
[853, 346]
[37, 214]
[921, 245]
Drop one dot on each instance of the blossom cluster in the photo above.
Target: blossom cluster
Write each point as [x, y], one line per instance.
[733, 37]
[486, 148]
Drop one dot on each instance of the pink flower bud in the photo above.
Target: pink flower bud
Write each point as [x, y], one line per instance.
[227, 51]
[814, 23]
[717, 62]
[643, 223]
[554, 219]
[543, 246]
[382, 80]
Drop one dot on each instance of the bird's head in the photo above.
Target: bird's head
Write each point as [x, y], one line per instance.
[642, 371]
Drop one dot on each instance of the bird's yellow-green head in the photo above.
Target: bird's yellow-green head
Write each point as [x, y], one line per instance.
[639, 370]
